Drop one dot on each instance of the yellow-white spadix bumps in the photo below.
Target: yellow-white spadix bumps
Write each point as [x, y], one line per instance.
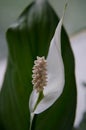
[48, 76]
[39, 74]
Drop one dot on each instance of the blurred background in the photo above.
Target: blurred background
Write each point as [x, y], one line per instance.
[75, 24]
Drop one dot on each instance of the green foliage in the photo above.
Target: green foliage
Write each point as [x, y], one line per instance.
[27, 38]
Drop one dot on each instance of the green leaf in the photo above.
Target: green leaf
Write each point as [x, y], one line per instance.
[27, 38]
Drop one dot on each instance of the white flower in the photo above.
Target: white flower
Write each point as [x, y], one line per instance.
[48, 79]
[55, 77]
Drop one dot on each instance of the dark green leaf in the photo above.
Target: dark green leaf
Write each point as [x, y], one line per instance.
[27, 38]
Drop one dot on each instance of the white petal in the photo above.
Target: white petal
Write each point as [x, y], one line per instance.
[33, 100]
[55, 69]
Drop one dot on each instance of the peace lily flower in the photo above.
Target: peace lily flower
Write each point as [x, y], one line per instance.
[48, 76]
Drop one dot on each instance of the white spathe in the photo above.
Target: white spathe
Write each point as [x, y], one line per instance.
[55, 71]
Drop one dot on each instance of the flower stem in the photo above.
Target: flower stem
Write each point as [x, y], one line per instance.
[31, 119]
[41, 95]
